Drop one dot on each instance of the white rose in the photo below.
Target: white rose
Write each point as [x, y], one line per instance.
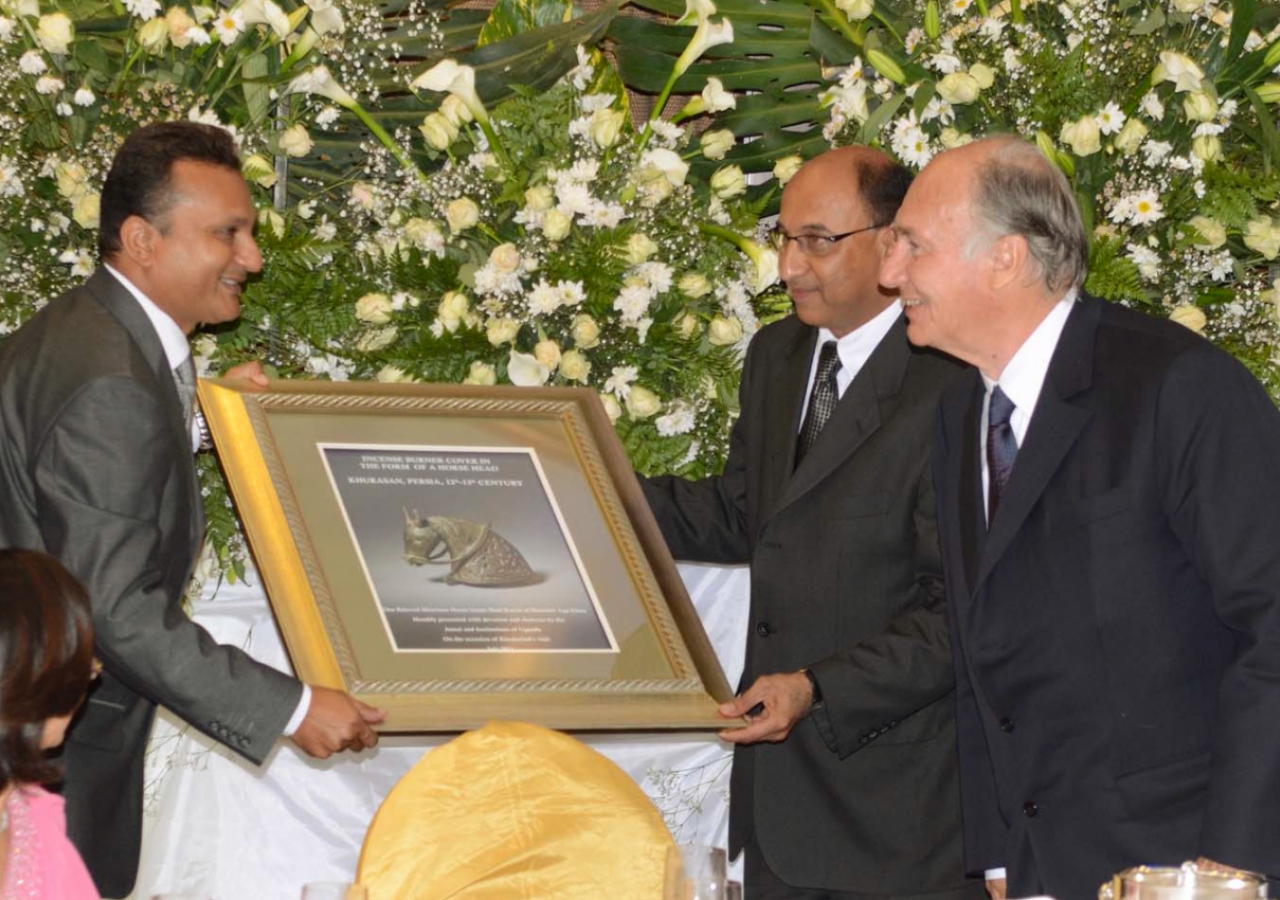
[505, 258]
[154, 36]
[556, 225]
[857, 10]
[983, 74]
[462, 214]
[715, 98]
[374, 309]
[539, 199]
[642, 402]
[1131, 137]
[180, 26]
[639, 248]
[1212, 232]
[547, 352]
[481, 373]
[295, 141]
[585, 331]
[666, 163]
[688, 326]
[1199, 107]
[1190, 316]
[72, 179]
[55, 33]
[526, 371]
[1083, 136]
[724, 332]
[450, 310]
[1261, 235]
[950, 138]
[611, 407]
[727, 182]
[502, 331]
[574, 366]
[422, 232]
[786, 168]
[1207, 147]
[438, 131]
[392, 375]
[958, 88]
[694, 285]
[87, 209]
[715, 144]
[606, 126]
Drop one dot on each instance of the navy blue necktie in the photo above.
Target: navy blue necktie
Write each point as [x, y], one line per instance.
[1002, 448]
[822, 399]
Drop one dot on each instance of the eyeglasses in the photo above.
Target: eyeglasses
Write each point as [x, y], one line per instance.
[812, 244]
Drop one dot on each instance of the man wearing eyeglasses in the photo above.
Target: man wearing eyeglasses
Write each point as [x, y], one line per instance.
[845, 780]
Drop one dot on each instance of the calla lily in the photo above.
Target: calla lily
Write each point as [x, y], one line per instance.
[714, 98]
[319, 82]
[1185, 74]
[526, 371]
[696, 11]
[265, 12]
[447, 76]
[325, 17]
[708, 34]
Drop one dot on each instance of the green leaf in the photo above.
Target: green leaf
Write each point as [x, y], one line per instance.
[870, 130]
[257, 94]
[1242, 14]
[511, 17]
[1150, 24]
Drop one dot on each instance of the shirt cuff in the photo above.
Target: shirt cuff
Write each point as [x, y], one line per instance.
[994, 874]
[304, 705]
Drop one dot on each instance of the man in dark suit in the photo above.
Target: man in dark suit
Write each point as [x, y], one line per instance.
[96, 442]
[845, 781]
[1107, 504]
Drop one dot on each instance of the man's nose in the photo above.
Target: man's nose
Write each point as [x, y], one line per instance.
[791, 261]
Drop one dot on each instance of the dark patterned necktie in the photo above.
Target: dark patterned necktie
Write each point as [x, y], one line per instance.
[1002, 448]
[822, 399]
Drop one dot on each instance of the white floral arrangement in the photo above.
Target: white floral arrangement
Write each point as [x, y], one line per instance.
[545, 241]
[1161, 114]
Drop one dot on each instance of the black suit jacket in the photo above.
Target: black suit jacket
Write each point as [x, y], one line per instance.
[845, 579]
[1117, 632]
[96, 469]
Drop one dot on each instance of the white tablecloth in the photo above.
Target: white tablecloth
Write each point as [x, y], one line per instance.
[220, 827]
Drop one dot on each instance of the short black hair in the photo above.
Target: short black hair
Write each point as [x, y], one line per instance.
[139, 181]
[46, 658]
[882, 184]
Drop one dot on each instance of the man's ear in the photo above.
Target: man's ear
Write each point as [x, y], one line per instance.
[1007, 260]
[138, 239]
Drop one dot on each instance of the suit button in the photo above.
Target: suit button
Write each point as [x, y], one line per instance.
[1006, 725]
[763, 629]
[1029, 809]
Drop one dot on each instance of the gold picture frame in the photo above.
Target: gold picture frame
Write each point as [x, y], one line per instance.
[560, 604]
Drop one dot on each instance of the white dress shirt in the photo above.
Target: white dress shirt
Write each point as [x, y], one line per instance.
[176, 351]
[854, 349]
[1022, 380]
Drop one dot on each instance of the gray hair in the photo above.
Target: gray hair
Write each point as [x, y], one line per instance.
[1017, 191]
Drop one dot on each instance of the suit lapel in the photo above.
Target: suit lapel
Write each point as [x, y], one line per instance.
[784, 402]
[129, 313]
[856, 416]
[968, 479]
[1055, 423]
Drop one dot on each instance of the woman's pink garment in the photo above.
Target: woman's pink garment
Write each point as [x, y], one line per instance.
[42, 863]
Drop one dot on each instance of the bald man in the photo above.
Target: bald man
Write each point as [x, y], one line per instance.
[1107, 505]
[845, 782]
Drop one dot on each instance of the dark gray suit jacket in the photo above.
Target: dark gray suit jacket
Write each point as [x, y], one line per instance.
[863, 796]
[96, 469]
[1117, 631]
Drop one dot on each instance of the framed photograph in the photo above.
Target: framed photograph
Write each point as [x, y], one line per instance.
[457, 554]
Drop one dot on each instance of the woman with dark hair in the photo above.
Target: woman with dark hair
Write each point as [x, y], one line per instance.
[46, 665]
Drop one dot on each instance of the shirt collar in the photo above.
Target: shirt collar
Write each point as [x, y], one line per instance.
[856, 346]
[172, 339]
[1023, 377]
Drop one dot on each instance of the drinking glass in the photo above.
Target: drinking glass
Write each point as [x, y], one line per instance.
[333, 890]
[695, 872]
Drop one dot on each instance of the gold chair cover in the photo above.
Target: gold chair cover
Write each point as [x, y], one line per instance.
[515, 812]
